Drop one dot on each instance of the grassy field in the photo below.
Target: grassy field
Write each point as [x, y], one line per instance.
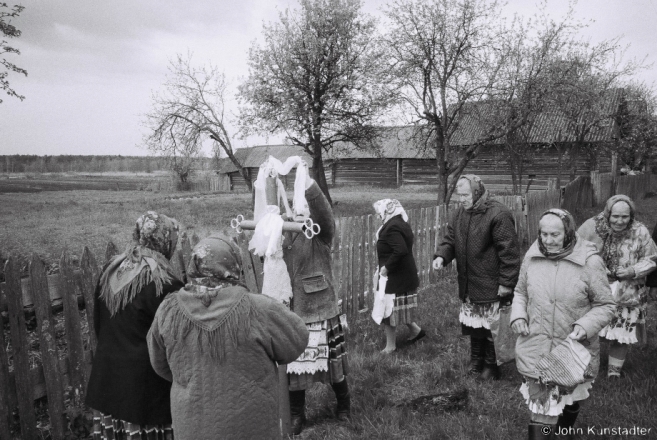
[49, 223]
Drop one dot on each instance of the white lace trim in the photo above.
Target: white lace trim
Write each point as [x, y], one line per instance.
[552, 407]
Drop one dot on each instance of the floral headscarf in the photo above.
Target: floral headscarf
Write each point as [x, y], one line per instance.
[142, 263]
[570, 234]
[215, 260]
[157, 232]
[388, 208]
[479, 192]
[611, 240]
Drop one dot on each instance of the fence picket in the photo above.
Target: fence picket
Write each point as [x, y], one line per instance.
[363, 263]
[20, 347]
[5, 413]
[76, 355]
[47, 345]
[336, 262]
[110, 251]
[89, 278]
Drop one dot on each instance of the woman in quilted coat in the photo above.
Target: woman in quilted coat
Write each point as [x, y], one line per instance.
[219, 345]
[562, 293]
[629, 254]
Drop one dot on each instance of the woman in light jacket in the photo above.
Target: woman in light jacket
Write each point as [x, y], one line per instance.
[629, 254]
[562, 293]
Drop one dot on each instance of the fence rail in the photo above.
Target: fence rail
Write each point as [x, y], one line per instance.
[354, 261]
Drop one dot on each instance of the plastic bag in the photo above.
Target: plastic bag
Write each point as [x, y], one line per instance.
[383, 302]
[565, 365]
[503, 337]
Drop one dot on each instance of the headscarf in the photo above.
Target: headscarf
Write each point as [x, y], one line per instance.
[215, 261]
[144, 262]
[479, 192]
[570, 235]
[611, 239]
[387, 209]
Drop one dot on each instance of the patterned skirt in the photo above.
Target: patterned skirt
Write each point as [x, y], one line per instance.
[108, 428]
[479, 315]
[403, 311]
[628, 326]
[325, 358]
[550, 400]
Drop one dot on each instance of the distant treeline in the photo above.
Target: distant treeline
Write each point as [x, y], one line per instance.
[92, 164]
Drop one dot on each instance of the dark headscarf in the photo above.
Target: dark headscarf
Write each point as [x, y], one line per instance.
[144, 262]
[215, 260]
[570, 234]
[479, 192]
[611, 239]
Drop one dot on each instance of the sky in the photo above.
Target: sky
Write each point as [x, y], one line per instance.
[93, 66]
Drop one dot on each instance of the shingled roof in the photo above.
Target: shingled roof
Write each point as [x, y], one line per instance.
[473, 127]
[253, 157]
[394, 143]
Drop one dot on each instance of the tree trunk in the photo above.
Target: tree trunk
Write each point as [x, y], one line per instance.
[319, 174]
[442, 167]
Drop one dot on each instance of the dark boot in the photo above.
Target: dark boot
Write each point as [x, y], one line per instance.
[539, 431]
[491, 371]
[568, 417]
[341, 390]
[477, 347]
[297, 411]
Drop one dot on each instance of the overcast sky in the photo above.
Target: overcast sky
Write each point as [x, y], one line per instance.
[92, 65]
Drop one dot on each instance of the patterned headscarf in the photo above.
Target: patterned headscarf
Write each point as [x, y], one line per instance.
[215, 260]
[142, 263]
[611, 240]
[388, 208]
[479, 192]
[157, 232]
[570, 234]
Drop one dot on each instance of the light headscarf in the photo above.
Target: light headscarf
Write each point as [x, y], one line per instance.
[146, 261]
[611, 240]
[388, 208]
[570, 234]
[479, 192]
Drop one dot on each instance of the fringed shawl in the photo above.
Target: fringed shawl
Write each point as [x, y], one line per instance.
[226, 319]
[130, 272]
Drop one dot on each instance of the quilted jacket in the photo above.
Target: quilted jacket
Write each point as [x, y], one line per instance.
[235, 396]
[553, 295]
[309, 263]
[485, 245]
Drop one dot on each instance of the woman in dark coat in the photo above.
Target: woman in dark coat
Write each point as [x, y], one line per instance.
[394, 248]
[123, 387]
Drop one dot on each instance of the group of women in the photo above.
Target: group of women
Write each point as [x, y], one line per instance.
[165, 349]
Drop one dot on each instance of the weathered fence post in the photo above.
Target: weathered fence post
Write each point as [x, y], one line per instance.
[4, 388]
[110, 251]
[20, 346]
[89, 278]
[48, 347]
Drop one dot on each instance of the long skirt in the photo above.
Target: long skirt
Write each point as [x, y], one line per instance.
[327, 351]
[475, 315]
[403, 312]
[550, 400]
[628, 326]
[108, 428]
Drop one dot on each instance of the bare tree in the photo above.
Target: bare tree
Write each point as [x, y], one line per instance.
[7, 30]
[188, 111]
[637, 123]
[313, 79]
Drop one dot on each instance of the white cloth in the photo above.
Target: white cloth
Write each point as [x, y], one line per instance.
[555, 403]
[275, 280]
[384, 303]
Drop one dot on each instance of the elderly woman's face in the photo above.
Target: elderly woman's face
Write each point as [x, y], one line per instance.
[620, 216]
[552, 233]
[464, 193]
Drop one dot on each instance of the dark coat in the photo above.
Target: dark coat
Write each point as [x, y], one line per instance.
[309, 263]
[123, 382]
[485, 245]
[651, 279]
[395, 251]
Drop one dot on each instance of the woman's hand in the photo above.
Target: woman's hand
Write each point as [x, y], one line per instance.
[519, 327]
[578, 333]
[625, 273]
[504, 291]
[652, 293]
[438, 263]
[383, 271]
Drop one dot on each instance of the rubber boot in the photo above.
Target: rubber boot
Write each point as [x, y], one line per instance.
[568, 417]
[477, 347]
[539, 431]
[341, 390]
[491, 371]
[297, 411]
